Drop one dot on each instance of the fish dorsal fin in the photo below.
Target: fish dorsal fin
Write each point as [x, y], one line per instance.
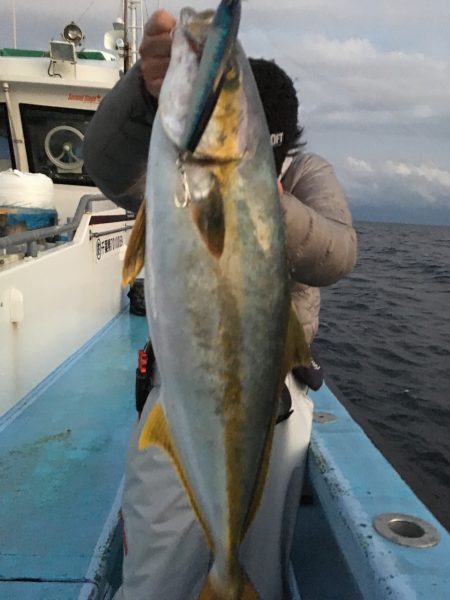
[156, 432]
[296, 353]
[135, 254]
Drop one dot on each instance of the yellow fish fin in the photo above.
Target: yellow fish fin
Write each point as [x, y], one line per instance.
[296, 348]
[296, 353]
[156, 432]
[135, 254]
[247, 591]
[261, 479]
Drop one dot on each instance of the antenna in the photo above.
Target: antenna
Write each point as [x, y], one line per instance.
[131, 31]
[14, 23]
[123, 39]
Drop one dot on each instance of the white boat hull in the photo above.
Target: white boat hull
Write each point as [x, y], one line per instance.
[51, 305]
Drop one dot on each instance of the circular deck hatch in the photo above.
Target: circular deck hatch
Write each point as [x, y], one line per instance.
[323, 417]
[406, 530]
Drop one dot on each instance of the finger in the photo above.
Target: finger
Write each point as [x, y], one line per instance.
[280, 187]
[154, 87]
[156, 45]
[154, 68]
[161, 21]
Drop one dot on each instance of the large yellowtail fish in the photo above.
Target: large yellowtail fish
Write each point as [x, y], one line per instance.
[217, 292]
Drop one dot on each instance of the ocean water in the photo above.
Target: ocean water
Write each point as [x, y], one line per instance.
[384, 341]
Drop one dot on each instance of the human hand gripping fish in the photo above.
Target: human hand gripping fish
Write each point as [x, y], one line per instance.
[155, 50]
[217, 290]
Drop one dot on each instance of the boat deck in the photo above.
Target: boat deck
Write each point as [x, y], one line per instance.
[62, 452]
[61, 465]
[337, 551]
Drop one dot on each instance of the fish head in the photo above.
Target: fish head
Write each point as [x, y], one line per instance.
[188, 39]
[205, 70]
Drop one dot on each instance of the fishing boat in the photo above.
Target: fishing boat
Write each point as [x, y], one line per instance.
[68, 358]
[61, 252]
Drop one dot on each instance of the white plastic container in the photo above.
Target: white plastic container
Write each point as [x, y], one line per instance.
[26, 190]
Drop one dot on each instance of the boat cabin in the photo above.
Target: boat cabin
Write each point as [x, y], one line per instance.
[46, 104]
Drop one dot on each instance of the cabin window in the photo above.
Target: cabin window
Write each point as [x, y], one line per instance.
[6, 154]
[54, 140]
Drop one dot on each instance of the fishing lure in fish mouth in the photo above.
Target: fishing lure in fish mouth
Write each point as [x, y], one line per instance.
[215, 55]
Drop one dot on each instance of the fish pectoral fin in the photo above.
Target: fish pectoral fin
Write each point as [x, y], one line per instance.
[156, 432]
[247, 591]
[135, 254]
[208, 215]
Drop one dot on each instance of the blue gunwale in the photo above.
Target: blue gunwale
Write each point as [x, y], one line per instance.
[353, 483]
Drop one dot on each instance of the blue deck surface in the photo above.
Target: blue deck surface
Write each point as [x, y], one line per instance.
[46, 591]
[61, 463]
[61, 467]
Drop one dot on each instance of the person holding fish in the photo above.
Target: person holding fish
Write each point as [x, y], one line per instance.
[238, 228]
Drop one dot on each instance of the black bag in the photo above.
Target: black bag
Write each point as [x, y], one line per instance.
[137, 298]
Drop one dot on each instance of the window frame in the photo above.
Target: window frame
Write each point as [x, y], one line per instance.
[5, 115]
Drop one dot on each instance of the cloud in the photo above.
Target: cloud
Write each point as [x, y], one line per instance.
[360, 66]
[349, 83]
[417, 16]
[396, 183]
[359, 167]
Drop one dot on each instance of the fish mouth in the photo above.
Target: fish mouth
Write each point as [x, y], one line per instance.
[195, 27]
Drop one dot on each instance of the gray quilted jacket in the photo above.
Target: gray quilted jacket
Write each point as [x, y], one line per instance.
[321, 241]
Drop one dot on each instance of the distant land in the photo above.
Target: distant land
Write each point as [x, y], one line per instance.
[426, 215]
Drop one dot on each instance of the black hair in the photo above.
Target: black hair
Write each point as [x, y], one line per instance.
[280, 103]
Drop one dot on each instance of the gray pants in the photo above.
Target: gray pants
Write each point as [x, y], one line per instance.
[167, 557]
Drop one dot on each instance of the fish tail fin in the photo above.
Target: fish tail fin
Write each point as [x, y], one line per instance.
[135, 254]
[246, 590]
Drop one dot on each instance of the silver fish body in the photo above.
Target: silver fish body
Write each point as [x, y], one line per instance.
[218, 299]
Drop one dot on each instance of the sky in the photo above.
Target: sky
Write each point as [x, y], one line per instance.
[373, 79]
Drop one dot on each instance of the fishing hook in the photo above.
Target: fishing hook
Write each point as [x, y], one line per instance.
[185, 185]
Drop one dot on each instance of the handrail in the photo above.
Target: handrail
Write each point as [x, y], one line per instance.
[31, 237]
